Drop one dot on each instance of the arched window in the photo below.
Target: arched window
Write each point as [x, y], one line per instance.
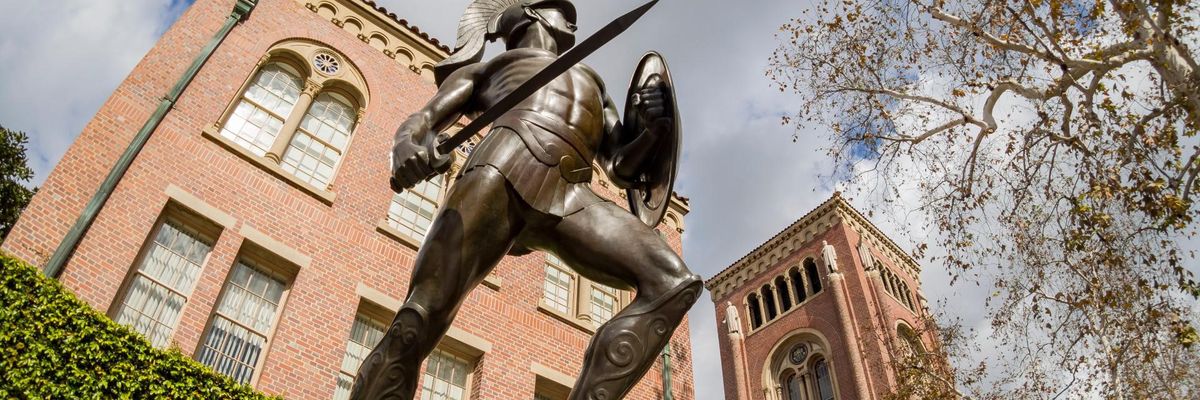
[798, 285]
[824, 382]
[814, 277]
[785, 299]
[797, 369]
[768, 297]
[794, 391]
[321, 139]
[263, 108]
[755, 311]
[296, 114]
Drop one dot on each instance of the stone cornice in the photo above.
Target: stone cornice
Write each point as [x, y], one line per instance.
[810, 226]
[383, 30]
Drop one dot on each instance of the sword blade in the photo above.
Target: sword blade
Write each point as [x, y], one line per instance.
[545, 76]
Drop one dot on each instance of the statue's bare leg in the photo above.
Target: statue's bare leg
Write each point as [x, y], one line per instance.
[609, 245]
[474, 229]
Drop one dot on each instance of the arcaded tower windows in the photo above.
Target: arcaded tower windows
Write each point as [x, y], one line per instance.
[814, 277]
[798, 285]
[768, 297]
[785, 299]
[756, 319]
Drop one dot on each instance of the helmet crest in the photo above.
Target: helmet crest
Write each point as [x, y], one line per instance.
[479, 24]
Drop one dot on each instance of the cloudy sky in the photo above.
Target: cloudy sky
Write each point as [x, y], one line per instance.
[746, 178]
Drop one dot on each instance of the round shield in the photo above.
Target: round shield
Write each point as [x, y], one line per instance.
[651, 191]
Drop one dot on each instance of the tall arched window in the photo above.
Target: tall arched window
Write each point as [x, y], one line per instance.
[785, 299]
[266, 104]
[794, 392]
[799, 368]
[824, 382]
[296, 114]
[755, 311]
[798, 285]
[321, 139]
[814, 277]
[768, 297]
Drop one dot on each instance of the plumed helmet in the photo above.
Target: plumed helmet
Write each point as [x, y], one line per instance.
[488, 20]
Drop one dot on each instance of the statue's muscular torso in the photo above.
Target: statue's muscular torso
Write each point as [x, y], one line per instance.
[576, 98]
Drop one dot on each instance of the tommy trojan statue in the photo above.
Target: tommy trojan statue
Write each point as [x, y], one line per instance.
[526, 187]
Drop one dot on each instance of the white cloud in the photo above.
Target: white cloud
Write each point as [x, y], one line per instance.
[63, 58]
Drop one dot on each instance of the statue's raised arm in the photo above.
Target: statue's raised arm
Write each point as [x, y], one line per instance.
[527, 187]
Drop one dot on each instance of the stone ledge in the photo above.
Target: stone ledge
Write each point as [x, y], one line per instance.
[265, 164]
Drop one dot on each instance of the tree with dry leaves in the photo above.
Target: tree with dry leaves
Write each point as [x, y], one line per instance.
[1052, 145]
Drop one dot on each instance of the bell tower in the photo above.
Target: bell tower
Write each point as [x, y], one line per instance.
[823, 310]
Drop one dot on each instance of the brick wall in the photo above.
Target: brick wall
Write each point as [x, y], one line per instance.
[873, 316]
[341, 238]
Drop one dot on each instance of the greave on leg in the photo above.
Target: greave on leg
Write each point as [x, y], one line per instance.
[625, 347]
[390, 371]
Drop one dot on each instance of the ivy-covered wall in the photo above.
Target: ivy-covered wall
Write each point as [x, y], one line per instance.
[55, 346]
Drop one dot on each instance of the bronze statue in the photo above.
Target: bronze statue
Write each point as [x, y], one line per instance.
[526, 187]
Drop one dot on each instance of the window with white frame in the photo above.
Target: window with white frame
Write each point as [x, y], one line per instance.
[578, 300]
[321, 140]
[242, 322]
[446, 377]
[163, 281]
[266, 104]
[364, 335]
[296, 118]
[604, 303]
[558, 285]
[412, 211]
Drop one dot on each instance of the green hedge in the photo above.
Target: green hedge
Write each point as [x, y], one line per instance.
[53, 345]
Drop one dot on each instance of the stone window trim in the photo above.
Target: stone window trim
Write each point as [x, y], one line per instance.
[373, 317]
[779, 366]
[550, 383]
[295, 56]
[184, 218]
[578, 314]
[465, 346]
[456, 338]
[491, 281]
[796, 301]
[384, 226]
[275, 266]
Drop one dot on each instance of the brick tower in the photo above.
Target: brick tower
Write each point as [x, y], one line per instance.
[820, 311]
[248, 219]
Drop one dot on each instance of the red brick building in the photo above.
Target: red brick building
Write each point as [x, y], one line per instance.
[823, 310]
[255, 229]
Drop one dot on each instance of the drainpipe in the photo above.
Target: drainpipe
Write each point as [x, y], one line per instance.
[666, 373]
[63, 253]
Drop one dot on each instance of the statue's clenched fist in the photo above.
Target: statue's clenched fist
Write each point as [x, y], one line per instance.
[413, 162]
[651, 105]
